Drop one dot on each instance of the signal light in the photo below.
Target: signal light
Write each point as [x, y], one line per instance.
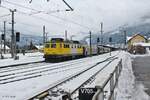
[97, 40]
[2, 36]
[110, 39]
[17, 36]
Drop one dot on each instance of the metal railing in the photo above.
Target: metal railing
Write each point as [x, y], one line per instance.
[113, 80]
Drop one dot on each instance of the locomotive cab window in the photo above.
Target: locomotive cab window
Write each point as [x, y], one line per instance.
[53, 45]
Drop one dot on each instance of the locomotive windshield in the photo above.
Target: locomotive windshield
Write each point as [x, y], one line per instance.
[53, 40]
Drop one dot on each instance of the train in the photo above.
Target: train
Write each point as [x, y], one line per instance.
[60, 49]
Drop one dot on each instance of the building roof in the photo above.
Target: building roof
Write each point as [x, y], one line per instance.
[39, 46]
[130, 38]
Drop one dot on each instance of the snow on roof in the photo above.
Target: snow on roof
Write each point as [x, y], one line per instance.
[142, 44]
[128, 38]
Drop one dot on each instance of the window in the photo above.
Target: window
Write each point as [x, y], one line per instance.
[47, 46]
[66, 46]
[53, 45]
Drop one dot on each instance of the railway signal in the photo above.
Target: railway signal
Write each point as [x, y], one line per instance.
[17, 36]
[110, 40]
[2, 36]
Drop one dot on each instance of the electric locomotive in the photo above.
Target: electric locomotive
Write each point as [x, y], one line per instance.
[60, 49]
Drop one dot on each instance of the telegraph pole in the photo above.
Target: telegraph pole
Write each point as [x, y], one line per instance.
[90, 43]
[44, 34]
[125, 35]
[65, 34]
[4, 37]
[101, 33]
[13, 35]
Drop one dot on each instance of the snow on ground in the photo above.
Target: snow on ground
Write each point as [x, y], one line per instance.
[27, 58]
[26, 88]
[127, 88]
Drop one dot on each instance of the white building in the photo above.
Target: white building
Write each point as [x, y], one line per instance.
[2, 48]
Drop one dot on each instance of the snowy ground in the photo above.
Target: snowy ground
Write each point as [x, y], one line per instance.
[21, 90]
[127, 88]
[27, 58]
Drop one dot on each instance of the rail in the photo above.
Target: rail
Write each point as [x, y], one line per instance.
[45, 93]
[113, 80]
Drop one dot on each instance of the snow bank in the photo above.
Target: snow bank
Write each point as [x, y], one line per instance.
[127, 88]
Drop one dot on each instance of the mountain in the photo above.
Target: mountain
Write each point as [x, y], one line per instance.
[27, 39]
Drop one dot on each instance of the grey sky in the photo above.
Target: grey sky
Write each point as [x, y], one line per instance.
[86, 16]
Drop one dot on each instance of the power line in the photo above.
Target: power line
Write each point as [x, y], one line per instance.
[63, 19]
[30, 25]
[5, 15]
[39, 17]
[38, 11]
[36, 17]
[16, 4]
[70, 8]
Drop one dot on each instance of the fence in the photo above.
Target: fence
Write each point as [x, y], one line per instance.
[113, 80]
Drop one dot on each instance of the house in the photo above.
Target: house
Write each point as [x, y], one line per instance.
[39, 48]
[137, 38]
[7, 50]
[134, 40]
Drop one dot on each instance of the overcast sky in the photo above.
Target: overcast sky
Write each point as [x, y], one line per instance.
[87, 15]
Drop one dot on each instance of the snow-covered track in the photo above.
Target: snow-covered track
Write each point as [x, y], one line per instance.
[28, 72]
[70, 79]
[14, 65]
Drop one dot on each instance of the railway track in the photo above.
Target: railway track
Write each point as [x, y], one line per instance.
[57, 90]
[28, 72]
[31, 65]
[38, 78]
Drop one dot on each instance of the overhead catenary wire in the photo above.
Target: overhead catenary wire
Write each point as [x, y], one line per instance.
[5, 15]
[22, 6]
[63, 19]
[49, 13]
